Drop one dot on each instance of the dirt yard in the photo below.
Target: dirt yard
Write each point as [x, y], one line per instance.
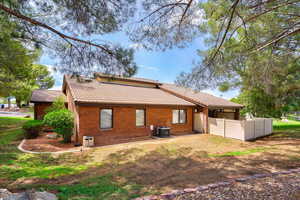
[186, 161]
[126, 171]
[45, 144]
[189, 161]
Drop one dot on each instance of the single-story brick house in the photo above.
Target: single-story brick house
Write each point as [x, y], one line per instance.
[116, 109]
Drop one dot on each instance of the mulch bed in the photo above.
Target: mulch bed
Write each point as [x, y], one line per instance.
[45, 144]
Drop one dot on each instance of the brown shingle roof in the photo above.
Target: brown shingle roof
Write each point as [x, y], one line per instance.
[111, 93]
[200, 97]
[45, 95]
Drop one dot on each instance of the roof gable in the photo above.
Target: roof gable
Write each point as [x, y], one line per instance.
[46, 96]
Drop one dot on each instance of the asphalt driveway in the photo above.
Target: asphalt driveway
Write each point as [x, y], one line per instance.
[13, 114]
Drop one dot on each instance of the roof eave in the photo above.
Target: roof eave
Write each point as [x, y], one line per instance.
[225, 106]
[81, 102]
[41, 101]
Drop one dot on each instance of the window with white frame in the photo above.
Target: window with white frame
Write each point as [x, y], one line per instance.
[179, 116]
[140, 117]
[106, 118]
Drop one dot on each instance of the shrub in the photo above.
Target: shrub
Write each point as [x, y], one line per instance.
[32, 128]
[62, 122]
[58, 104]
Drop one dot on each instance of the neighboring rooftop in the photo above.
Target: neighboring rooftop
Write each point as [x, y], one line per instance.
[97, 92]
[134, 79]
[200, 97]
[45, 95]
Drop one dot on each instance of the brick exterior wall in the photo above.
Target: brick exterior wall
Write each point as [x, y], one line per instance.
[124, 127]
[72, 107]
[39, 110]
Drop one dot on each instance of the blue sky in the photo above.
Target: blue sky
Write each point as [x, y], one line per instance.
[163, 66]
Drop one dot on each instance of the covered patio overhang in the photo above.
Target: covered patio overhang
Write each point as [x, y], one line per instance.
[202, 113]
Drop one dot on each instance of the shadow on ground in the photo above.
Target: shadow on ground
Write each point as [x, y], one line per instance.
[164, 170]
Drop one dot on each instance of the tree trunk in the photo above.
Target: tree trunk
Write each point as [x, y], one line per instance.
[8, 102]
[18, 102]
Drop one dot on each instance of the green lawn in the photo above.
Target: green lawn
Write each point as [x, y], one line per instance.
[291, 124]
[140, 169]
[16, 165]
[240, 153]
[290, 129]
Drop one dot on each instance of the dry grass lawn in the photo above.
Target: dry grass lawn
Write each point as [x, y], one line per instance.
[129, 170]
[188, 161]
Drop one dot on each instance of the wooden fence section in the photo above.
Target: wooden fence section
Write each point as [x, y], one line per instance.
[240, 129]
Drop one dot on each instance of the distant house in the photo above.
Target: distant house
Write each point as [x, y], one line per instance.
[42, 99]
[116, 109]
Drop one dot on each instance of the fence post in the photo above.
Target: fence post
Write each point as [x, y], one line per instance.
[224, 132]
[264, 126]
[254, 131]
[271, 125]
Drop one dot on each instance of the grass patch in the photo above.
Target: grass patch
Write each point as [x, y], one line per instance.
[289, 133]
[7, 122]
[15, 164]
[281, 125]
[294, 158]
[127, 173]
[6, 137]
[172, 150]
[15, 172]
[219, 140]
[239, 153]
[289, 129]
[102, 187]
[10, 131]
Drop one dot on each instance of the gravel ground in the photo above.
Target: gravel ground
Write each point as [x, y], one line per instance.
[281, 187]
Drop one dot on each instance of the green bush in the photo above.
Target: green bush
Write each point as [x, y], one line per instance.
[32, 128]
[62, 121]
[58, 104]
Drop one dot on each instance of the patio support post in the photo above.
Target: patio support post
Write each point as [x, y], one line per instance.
[35, 111]
[205, 112]
[237, 114]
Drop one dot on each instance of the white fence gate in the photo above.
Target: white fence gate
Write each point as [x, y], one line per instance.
[240, 129]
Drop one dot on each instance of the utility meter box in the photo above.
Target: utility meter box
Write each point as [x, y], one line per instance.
[88, 141]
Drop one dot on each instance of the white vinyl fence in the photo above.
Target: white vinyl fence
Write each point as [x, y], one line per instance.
[240, 129]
